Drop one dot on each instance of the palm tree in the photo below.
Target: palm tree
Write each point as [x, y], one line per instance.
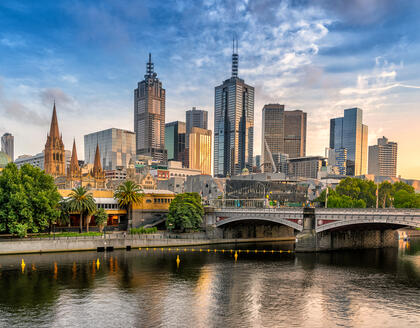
[64, 207]
[127, 194]
[82, 202]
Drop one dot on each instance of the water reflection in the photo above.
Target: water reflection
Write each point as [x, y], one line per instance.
[210, 289]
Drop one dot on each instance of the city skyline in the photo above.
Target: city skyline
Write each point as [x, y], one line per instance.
[361, 56]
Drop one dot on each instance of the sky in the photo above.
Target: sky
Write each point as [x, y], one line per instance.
[318, 56]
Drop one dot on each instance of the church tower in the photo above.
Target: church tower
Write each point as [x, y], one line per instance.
[54, 155]
[74, 174]
[97, 172]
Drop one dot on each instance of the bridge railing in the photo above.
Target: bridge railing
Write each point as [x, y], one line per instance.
[239, 203]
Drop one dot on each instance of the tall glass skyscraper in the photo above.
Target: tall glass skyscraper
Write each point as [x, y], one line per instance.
[175, 141]
[7, 145]
[149, 115]
[350, 133]
[233, 124]
[116, 147]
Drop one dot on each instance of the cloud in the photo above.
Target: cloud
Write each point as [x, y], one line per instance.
[12, 41]
[50, 95]
[69, 78]
[12, 109]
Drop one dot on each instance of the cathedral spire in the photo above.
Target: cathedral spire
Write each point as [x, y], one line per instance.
[97, 167]
[74, 163]
[54, 133]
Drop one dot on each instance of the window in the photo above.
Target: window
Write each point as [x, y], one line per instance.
[148, 201]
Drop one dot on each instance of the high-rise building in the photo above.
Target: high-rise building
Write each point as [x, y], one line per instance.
[200, 150]
[7, 145]
[306, 167]
[295, 133]
[54, 154]
[350, 133]
[149, 115]
[117, 147]
[233, 124]
[337, 159]
[175, 141]
[283, 133]
[383, 158]
[196, 118]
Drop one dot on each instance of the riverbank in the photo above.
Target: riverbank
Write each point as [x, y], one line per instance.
[117, 241]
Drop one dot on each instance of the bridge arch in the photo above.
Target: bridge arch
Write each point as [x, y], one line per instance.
[278, 220]
[390, 221]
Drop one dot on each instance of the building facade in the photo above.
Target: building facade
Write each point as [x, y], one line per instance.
[149, 115]
[283, 135]
[175, 140]
[54, 154]
[7, 145]
[337, 159]
[383, 158]
[200, 150]
[38, 160]
[117, 148]
[196, 118]
[350, 133]
[233, 124]
[306, 167]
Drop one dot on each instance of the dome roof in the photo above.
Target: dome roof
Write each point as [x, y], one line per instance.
[4, 159]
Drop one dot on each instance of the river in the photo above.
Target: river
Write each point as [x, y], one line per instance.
[147, 288]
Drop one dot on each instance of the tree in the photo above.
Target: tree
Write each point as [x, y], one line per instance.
[64, 207]
[101, 218]
[128, 194]
[385, 194]
[358, 189]
[405, 199]
[28, 200]
[82, 202]
[185, 212]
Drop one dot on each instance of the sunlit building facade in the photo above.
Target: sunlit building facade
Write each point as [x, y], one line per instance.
[350, 133]
[149, 115]
[175, 139]
[200, 150]
[383, 158]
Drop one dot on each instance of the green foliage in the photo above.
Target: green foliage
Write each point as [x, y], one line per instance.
[142, 230]
[358, 193]
[28, 200]
[128, 193]
[68, 234]
[64, 207]
[185, 212]
[101, 218]
[405, 199]
[81, 201]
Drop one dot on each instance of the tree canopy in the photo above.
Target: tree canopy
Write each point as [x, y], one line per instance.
[29, 200]
[358, 193]
[185, 212]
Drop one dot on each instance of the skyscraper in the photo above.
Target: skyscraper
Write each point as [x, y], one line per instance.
[200, 150]
[233, 124]
[7, 145]
[54, 154]
[295, 133]
[194, 118]
[350, 133]
[283, 134]
[175, 141]
[117, 147]
[149, 115]
[383, 158]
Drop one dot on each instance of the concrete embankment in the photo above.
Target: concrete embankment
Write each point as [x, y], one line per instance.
[68, 244]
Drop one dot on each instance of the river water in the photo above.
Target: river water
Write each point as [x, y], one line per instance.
[146, 288]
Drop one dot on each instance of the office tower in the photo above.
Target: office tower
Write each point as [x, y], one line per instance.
[149, 115]
[194, 118]
[7, 145]
[283, 133]
[383, 158]
[306, 167]
[233, 124]
[257, 161]
[295, 133]
[337, 159]
[175, 141]
[200, 150]
[350, 133]
[54, 154]
[117, 147]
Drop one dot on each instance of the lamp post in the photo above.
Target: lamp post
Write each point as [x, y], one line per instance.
[326, 197]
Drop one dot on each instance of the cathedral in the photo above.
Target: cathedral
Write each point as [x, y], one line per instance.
[88, 176]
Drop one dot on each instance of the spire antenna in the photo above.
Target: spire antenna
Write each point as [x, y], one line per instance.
[235, 58]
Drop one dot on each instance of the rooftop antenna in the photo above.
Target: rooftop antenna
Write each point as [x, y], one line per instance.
[149, 68]
[235, 58]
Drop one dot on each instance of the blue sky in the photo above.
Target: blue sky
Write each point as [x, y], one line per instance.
[318, 56]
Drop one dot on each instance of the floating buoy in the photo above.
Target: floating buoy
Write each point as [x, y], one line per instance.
[208, 250]
[200, 249]
[215, 250]
[154, 249]
[139, 248]
[147, 248]
[256, 251]
[247, 250]
[231, 250]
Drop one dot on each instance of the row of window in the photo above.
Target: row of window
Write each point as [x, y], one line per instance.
[159, 200]
[108, 206]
